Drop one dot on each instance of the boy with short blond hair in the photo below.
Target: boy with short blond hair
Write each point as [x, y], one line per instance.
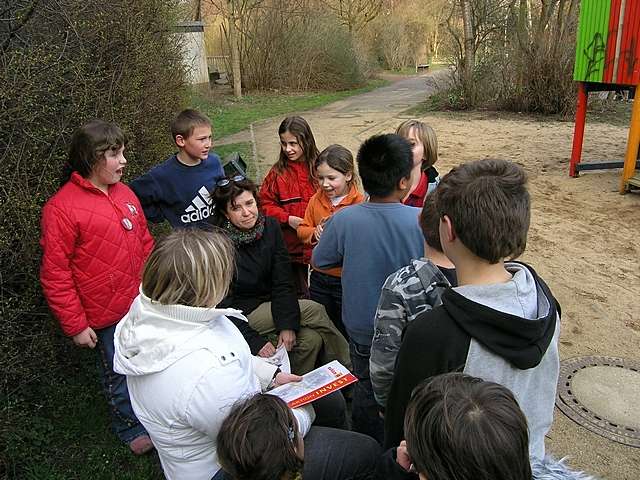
[178, 189]
[502, 322]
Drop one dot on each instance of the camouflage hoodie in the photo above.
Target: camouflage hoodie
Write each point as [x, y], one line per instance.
[407, 293]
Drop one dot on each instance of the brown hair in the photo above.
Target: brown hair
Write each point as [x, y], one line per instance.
[427, 137]
[189, 267]
[339, 158]
[460, 427]
[299, 128]
[489, 206]
[258, 440]
[224, 196]
[430, 222]
[88, 145]
[186, 121]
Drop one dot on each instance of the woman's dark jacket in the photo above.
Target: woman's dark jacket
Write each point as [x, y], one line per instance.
[264, 274]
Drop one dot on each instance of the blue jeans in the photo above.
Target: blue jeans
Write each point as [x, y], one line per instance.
[327, 290]
[124, 422]
[365, 416]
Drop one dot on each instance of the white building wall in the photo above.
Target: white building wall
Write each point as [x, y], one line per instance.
[191, 36]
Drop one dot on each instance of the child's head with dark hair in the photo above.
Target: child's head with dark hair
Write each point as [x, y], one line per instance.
[88, 146]
[297, 144]
[459, 427]
[384, 161]
[186, 121]
[488, 205]
[430, 222]
[259, 440]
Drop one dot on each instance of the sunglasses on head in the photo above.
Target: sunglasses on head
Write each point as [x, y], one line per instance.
[226, 181]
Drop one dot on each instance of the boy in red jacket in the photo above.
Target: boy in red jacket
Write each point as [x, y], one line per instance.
[95, 241]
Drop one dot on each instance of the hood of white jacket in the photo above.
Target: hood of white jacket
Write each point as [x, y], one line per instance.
[152, 337]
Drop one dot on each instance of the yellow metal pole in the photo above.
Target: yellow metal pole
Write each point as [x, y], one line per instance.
[632, 145]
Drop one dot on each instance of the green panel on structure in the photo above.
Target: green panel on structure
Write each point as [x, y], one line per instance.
[591, 44]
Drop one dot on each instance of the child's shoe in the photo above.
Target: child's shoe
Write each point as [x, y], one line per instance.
[141, 445]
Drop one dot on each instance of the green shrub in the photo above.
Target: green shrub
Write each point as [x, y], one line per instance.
[64, 62]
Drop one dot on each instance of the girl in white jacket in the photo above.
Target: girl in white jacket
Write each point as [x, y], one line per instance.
[186, 363]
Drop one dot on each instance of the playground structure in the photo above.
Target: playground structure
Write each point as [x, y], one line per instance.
[608, 58]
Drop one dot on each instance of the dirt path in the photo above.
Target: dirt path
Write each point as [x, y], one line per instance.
[349, 121]
[584, 238]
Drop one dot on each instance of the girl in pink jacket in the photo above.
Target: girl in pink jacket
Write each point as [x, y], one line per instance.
[95, 241]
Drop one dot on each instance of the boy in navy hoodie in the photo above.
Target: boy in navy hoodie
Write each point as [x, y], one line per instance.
[501, 323]
[178, 189]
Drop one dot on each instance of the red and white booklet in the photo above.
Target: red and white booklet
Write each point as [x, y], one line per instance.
[316, 384]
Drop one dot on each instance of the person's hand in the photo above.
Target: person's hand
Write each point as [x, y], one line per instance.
[86, 338]
[267, 351]
[318, 232]
[283, 378]
[402, 456]
[288, 337]
[294, 222]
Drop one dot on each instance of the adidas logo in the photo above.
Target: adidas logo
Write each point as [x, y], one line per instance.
[200, 207]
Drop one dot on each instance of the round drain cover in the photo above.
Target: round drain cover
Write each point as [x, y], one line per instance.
[347, 115]
[399, 105]
[601, 394]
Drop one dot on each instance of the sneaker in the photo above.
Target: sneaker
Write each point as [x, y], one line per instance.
[141, 445]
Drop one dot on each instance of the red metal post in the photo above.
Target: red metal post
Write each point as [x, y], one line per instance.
[578, 131]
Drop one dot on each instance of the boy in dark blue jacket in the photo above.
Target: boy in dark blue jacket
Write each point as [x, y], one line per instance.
[178, 189]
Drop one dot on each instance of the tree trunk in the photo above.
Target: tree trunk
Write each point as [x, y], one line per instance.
[235, 52]
[469, 47]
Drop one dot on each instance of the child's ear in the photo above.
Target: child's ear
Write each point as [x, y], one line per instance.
[447, 230]
[404, 184]
[180, 141]
[349, 177]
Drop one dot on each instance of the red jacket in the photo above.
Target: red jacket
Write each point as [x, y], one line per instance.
[287, 194]
[94, 246]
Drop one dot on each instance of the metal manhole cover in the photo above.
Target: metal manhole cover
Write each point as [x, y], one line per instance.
[399, 105]
[601, 394]
[347, 115]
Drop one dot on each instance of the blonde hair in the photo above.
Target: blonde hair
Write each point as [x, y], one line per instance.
[190, 267]
[427, 137]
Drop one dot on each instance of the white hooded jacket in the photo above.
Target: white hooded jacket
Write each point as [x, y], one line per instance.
[185, 368]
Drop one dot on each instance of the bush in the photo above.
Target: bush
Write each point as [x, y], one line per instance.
[300, 49]
[63, 62]
[524, 61]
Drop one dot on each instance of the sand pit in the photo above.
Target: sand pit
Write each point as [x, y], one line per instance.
[584, 238]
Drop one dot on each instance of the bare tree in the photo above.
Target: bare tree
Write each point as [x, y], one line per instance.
[235, 13]
[355, 14]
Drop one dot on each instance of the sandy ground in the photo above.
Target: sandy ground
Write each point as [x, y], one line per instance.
[584, 238]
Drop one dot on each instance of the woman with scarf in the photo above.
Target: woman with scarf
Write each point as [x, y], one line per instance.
[263, 286]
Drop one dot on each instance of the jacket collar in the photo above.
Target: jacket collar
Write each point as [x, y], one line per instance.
[82, 182]
[353, 195]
